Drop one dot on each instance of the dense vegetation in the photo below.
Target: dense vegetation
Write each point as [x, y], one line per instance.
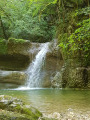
[20, 19]
[42, 20]
[74, 30]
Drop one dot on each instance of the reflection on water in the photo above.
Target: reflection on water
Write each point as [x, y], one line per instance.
[53, 100]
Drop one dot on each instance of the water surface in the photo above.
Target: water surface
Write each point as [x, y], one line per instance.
[53, 100]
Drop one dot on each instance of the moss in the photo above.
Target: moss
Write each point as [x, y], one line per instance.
[13, 40]
[3, 46]
[31, 112]
[13, 108]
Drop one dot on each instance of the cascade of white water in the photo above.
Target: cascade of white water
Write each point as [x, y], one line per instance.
[35, 68]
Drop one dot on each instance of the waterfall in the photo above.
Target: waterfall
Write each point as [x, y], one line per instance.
[35, 68]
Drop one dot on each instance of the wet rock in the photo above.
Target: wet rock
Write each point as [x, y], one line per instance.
[46, 82]
[14, 109]
[54, 50]
[56, 81]
[13, 77]
[73, 75]
[53, 65]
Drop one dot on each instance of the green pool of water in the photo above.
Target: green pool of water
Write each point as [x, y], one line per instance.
[53, 100]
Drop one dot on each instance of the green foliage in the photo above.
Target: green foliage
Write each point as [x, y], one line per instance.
[63, 42]
[79, 41]
[35, 20]
[85, 11]
[21, 20]
[3, 46]
[74, 37]
[78, 2]
[42, 5]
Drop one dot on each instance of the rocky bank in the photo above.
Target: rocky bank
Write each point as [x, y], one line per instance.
[14, 109]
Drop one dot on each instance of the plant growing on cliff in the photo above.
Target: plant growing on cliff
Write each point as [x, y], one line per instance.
[74, 37]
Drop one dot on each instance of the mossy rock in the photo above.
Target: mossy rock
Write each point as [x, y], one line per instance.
[15, 109]
[15, 45]
[13, 40]
[7, 115]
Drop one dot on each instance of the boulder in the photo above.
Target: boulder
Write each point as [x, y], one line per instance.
[14, 109]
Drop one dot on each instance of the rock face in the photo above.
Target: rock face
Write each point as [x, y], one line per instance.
[73, 72]
[53, 65]
[14, 109]
[73, 75]
[15, 62]
[56, 81]
[13, 77]
[70, 73]
[16, 56]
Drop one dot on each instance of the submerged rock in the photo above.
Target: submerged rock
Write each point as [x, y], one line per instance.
[14, 109]
[67, 115]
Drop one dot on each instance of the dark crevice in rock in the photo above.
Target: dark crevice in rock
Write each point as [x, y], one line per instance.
[85, 77]
[14, 62]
